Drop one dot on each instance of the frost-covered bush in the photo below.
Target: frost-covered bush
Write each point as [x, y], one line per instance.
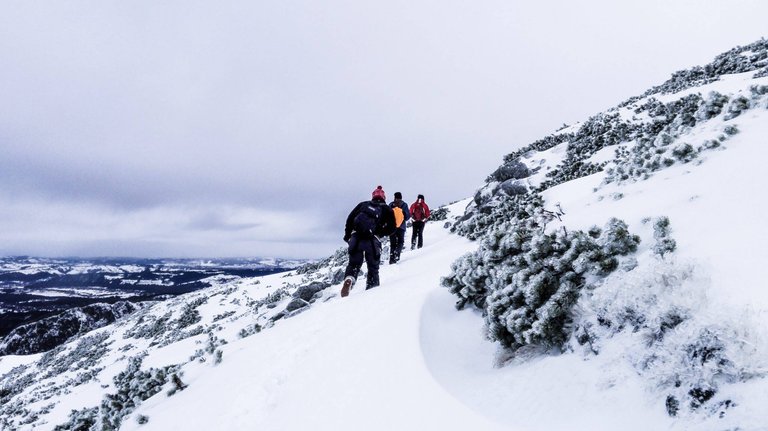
[498, 211]
[684, 152]
[738, 105]
[676, 340]
[527, 281]
[80, 420]
[439, 214]
[712, 106]
[731, 130]
[133, 386]
[540, 145]
[189, 314]
[661, 233]
[149, 326]
[513, 169]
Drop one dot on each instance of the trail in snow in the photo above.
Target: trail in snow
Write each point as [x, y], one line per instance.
[355, 363]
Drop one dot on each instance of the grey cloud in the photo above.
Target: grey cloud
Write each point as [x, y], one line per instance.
[304, 107]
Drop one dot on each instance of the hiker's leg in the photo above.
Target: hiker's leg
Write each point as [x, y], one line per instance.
[372, 259]
[355, 258]
[393, 248]
[418, 230]
[400, 234]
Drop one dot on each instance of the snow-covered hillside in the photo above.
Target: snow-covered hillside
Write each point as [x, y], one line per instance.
[654, 319]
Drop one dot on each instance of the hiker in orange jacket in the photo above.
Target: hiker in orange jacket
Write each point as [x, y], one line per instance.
[419, 214]
[397, 239]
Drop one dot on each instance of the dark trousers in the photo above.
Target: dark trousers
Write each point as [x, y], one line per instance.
[418, 234]
[396, 241]
[368, 250]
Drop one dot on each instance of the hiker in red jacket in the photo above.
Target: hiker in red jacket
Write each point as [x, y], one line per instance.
[419, 215]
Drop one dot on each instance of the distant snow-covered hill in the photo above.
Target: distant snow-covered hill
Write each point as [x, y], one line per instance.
[608, 278]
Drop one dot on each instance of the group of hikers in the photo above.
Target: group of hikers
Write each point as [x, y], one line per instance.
[374, 219]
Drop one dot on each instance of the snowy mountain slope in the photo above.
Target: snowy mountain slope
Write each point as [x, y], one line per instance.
[716, 211]
[684, 308]
[663, 325]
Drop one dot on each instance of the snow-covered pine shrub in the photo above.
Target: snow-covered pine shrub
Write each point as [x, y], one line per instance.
[512, 169]
[178, 384]
[133, 386]
[712, 107]
[189, 314]
[80, 420]
[249, 330]
[684, 152]
[526, 280]
[676, 340]
[149, 326]
[731, 130]
[758, 91]
[498, 211]
[467, 281]
[541, 145]
[738, 105]
[439, 214]
[661, 233]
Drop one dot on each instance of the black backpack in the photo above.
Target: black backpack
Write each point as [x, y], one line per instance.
[366, 220]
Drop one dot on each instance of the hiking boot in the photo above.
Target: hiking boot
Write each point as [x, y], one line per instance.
[349, 282]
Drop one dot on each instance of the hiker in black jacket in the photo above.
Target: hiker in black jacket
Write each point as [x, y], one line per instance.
[368, 221]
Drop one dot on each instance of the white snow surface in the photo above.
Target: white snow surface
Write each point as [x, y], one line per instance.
[396, 357]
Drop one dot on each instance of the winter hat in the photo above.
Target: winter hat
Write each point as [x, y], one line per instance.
[379, 193]
[421, 197]
[398, 195]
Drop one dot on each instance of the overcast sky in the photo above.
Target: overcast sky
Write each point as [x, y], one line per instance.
[251, 128]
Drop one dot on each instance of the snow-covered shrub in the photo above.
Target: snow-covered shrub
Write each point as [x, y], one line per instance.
[439, 214]
[249, 330]
[684, 152]
[712, 106]
[738, 105]
[731, 130]
[513, 169]
[686, 350]
[661, 233]
[80, 420]
[513, 187]
[149, 326]
[541, 145]
[133, 386]
[498, 211]
[467, 280]
[189, 314]
[526, 280]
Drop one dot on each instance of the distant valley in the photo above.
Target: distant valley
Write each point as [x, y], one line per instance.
[35, 288]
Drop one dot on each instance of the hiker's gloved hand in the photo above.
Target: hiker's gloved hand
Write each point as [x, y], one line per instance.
[347, 237]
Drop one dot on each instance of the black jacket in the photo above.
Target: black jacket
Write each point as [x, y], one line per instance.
[385, 225]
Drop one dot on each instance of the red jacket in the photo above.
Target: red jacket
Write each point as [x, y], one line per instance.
[419, 210]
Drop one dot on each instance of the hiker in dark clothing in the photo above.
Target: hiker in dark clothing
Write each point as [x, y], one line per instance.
[420, 214]
[402, 215]
[365, 224]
